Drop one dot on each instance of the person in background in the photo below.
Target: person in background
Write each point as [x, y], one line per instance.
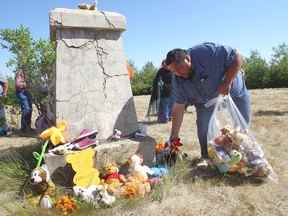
[3, 93]
[130, 71]
[161, 100]
[25, 100]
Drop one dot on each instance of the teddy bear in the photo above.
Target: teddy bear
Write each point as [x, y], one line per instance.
[230, 139]
[134, 187]
[82, 163]
[137, 183]
[43, 185]
[137, 169]
[113, 178]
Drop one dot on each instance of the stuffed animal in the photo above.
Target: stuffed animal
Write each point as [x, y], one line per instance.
[137, 169]
[240, 167]
[112, 178]
[55, 134]
[158, 171]
[135, 187]
[137, 182]
[235, 157]
[95, 194]
[117, 135]
[82, 163]
[213, 155]
[231, 138]
[85, 6]
[43, 186]
[224, 161]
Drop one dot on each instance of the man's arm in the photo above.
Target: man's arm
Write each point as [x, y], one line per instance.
[230, 74]
[177, 118]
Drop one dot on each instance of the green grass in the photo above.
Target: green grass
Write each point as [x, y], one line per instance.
[14, 172]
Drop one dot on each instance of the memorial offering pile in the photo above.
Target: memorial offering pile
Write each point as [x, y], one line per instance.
[100, 188]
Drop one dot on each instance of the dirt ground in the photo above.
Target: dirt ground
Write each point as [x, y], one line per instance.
[222, 196]
[270, 126]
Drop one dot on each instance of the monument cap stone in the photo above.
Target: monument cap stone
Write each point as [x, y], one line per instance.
[75, 18]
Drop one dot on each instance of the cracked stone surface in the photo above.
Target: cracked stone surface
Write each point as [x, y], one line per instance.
[92, 85]
[71, 18]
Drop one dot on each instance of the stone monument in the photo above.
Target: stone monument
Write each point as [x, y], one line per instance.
[92, 88]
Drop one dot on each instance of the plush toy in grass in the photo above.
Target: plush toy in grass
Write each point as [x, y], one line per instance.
[137, 181]
[66, 205]
[82, 163]
[158, 171]
[94, 194]
[43, 186]
[55, 134]
[135, 187]
[137, 169]
[113, 178]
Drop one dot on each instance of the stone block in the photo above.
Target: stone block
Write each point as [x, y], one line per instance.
[118, 152]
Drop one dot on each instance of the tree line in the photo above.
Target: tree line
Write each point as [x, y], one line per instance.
[259, 73]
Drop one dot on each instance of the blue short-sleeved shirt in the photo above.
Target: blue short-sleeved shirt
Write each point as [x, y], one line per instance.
[210, 62]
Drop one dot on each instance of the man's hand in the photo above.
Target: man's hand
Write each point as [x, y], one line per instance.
[224, 88]
[230, 74]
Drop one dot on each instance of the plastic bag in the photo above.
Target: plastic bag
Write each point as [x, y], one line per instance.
[231, 145]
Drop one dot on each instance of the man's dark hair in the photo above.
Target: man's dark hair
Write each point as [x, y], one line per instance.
[175, 56]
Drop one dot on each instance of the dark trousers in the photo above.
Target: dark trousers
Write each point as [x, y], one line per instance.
[25, 101]
[165, 109]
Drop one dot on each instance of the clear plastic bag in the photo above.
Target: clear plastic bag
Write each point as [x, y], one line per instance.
[231, 145]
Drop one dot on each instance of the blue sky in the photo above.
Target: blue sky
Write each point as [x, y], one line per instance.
[156, 26]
